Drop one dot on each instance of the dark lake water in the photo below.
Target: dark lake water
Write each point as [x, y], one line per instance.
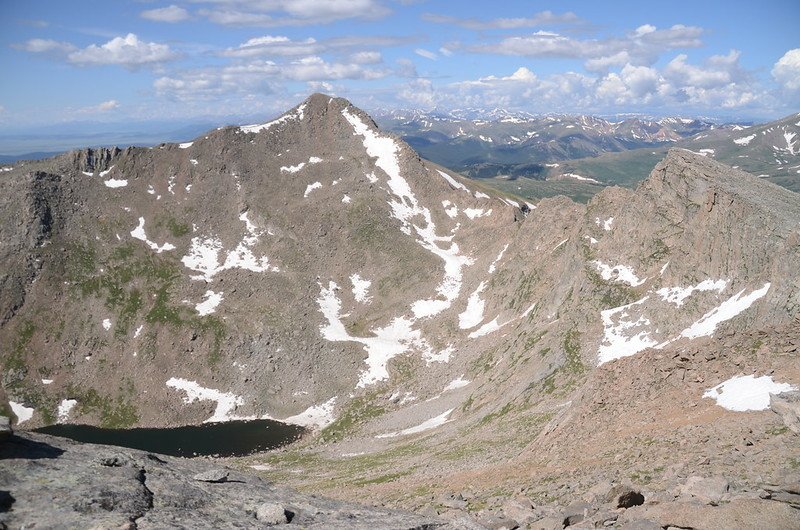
[234, 438]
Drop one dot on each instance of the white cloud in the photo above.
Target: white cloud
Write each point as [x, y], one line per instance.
[641, 46]
[47, 46]
[127, 51]
[170, 14]
[539, 19]
[366, 58]
[274, 45]
[273, 13]
[422, 52]
[257, 77]
[787, 70]
[447, 52]
[105, 106]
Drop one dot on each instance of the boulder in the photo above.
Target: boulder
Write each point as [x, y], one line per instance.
[708, 490]
[787, 406]
[212, 475]
[271, 513]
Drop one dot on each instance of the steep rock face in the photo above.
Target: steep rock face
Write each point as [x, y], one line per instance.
[314, 268]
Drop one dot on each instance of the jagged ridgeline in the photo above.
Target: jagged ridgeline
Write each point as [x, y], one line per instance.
[314, 269]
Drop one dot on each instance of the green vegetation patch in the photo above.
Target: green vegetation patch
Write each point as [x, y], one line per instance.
[114, 413]
[359, 411]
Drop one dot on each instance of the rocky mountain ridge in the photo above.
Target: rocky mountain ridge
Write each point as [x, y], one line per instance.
[315, 269]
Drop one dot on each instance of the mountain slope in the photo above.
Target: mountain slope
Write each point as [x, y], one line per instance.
[315, 269]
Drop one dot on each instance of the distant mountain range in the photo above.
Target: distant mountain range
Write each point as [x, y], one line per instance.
[538, 156]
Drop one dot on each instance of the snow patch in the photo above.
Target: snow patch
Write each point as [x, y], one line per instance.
[185, 145]
[474, 213]
[620, 273]
[450, 209]
[360, 288]
[441, 357]
[745, 140]
[312, 187]
[316, 416]
[209, 305]
[493, 266]
[227, 402]
[677, 295]
[746, 392]
[623, 336]
[580, 177]
[106, 324]
[457, 383]
[139, 233]
[727, 310]
[64, 408]
[453, 182]
[47, 381]
[138, 331]
[473, 314]
[203, 256]
[115, 183]
[346, 199]
[22, 412]
[432, 423]
[106, 172]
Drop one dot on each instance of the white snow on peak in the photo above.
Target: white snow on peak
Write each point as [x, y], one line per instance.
[620, 273]
[394, 339]
[139, 233]
[312, 187]
[706, 152]
[457, 383]
[623, 336]
[204, 255]
[346, 199]
[106, 172]
[481, 195]
[473, 314]
[291, 116]
[474, 213]
[515, 204]
[432, 423]
[406, 208]
[677, 295]
[746, 392]
[493, 266]
[209, 305]
[744, 140]
[453, 182]
[315, 416]
[64, 408]
[227, 402]
[360, 288]
[22, 412]
[185, 145]
[106, 324]
[115, 183]
[490, 327]
[725, 311]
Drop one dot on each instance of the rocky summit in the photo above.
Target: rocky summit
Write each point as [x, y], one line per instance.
[454, 351]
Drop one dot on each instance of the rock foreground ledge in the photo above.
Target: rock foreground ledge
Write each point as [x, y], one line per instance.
[50, 482]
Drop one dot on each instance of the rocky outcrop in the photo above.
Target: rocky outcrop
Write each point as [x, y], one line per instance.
[50, 482]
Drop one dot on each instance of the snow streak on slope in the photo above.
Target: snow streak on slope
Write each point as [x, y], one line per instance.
[315, 416]
[209, 305]
[473, 314]
[725, 311]
[392, 340]
[360, 288]
[746, 392]
[405, 208]
[203, 256]
[621, 273]
[296, 115]
[432, 423]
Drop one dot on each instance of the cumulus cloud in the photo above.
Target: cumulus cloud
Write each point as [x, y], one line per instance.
[258, 77]
[170, 14]
[366, 58]
[641, 46]
[127, 51]
[787, 70]
[273, 13]
[539, 19]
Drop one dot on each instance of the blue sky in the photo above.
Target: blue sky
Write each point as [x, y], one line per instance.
[229, 60]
